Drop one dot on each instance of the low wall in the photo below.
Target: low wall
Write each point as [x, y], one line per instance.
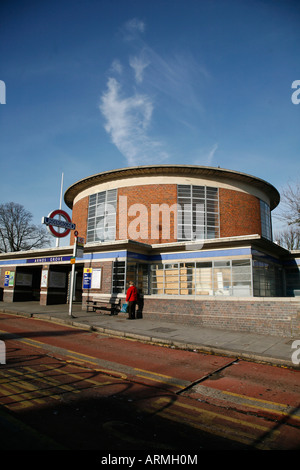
[268, 316]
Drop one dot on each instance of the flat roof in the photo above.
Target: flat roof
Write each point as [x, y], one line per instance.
[171, 170]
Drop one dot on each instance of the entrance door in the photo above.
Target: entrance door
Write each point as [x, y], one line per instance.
[27, 284]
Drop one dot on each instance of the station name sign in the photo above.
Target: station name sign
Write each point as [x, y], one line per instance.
[59, 223]
[52, 259]
[52, 222]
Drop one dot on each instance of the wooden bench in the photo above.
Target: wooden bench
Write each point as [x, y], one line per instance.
[100, 302]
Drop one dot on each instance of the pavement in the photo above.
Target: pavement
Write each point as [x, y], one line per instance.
[274, 350]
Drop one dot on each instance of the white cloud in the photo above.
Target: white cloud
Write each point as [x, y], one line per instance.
[135, 25]
[179, 77]
[176, 81]
[206, 155]
[127, 122]
[116, 67]
[138, 65]
[132, 29]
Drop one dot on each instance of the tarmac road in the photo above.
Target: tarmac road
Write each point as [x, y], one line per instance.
[280, 351]
[89, 390]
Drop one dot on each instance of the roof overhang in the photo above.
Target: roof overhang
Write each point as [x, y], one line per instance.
[171, 170]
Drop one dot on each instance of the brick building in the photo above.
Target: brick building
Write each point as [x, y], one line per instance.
[196, 240]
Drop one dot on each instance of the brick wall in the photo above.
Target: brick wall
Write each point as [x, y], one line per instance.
[239, 213]
[2, 276]
[106, 281]
[79, 217]
[148, 195]
[8, 292]
[278, 317]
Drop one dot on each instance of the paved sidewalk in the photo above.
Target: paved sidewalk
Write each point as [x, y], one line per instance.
[270, 349]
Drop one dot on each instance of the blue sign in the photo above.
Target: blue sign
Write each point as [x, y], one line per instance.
[87, 278]
[52, 259]
[6, 278]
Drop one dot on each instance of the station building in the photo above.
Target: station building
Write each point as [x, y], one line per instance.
[196, 240]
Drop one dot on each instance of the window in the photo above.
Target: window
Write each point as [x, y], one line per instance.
[267, 279]
[228, 277]
[157, 279]
[241, 278]
[198, 212]
[118, 277]
[138, 273]
[187, 278]
[265, 217]
[171, 279]
[292, 280]
[204, 283]
[101, 224]
[222, 278]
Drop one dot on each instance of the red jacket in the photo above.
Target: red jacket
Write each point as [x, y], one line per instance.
[131, 295]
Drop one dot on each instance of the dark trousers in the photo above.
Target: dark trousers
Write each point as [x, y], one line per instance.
[131, 309]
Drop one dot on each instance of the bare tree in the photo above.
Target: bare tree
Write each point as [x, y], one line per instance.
[17, 232]
[289, 238]
[289, 209]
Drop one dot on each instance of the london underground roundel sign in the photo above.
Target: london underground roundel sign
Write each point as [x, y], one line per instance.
[52, 222]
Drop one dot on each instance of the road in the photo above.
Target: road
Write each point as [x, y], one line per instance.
[66, 388]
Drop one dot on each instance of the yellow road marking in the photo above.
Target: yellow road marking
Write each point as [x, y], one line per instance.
[214, 415]
[216, 429]
[270, 406]
[22, 392]
[206, 420]
[154, 373]
[159, 380]
[274, 405]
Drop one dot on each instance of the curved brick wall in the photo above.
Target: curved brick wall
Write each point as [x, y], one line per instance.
[147, 195]
[239, 212]
[79, 217]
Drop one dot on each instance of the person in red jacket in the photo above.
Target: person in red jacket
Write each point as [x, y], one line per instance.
[131, 298]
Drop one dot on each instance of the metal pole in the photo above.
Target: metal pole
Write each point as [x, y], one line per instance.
[72, 281]
[61, 191]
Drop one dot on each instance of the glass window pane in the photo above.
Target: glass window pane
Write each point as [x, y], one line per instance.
[197, 207]
[203, 278]
[92, 199]
[102, 216]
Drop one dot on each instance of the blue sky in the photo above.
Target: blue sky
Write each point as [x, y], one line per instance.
[97, 85]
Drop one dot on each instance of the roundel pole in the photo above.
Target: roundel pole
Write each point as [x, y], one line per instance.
[60, 202]
[54, 225]
[71, 291]
[67, 225]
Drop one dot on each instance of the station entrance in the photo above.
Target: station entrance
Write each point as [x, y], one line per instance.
[59, 284]
[30, 283]
[27, 284]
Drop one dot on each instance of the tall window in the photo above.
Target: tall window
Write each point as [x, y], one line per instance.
[139, 274]
[118, 277]
[267, 279]
[102, 216]
[265, 217]
[198, 212]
